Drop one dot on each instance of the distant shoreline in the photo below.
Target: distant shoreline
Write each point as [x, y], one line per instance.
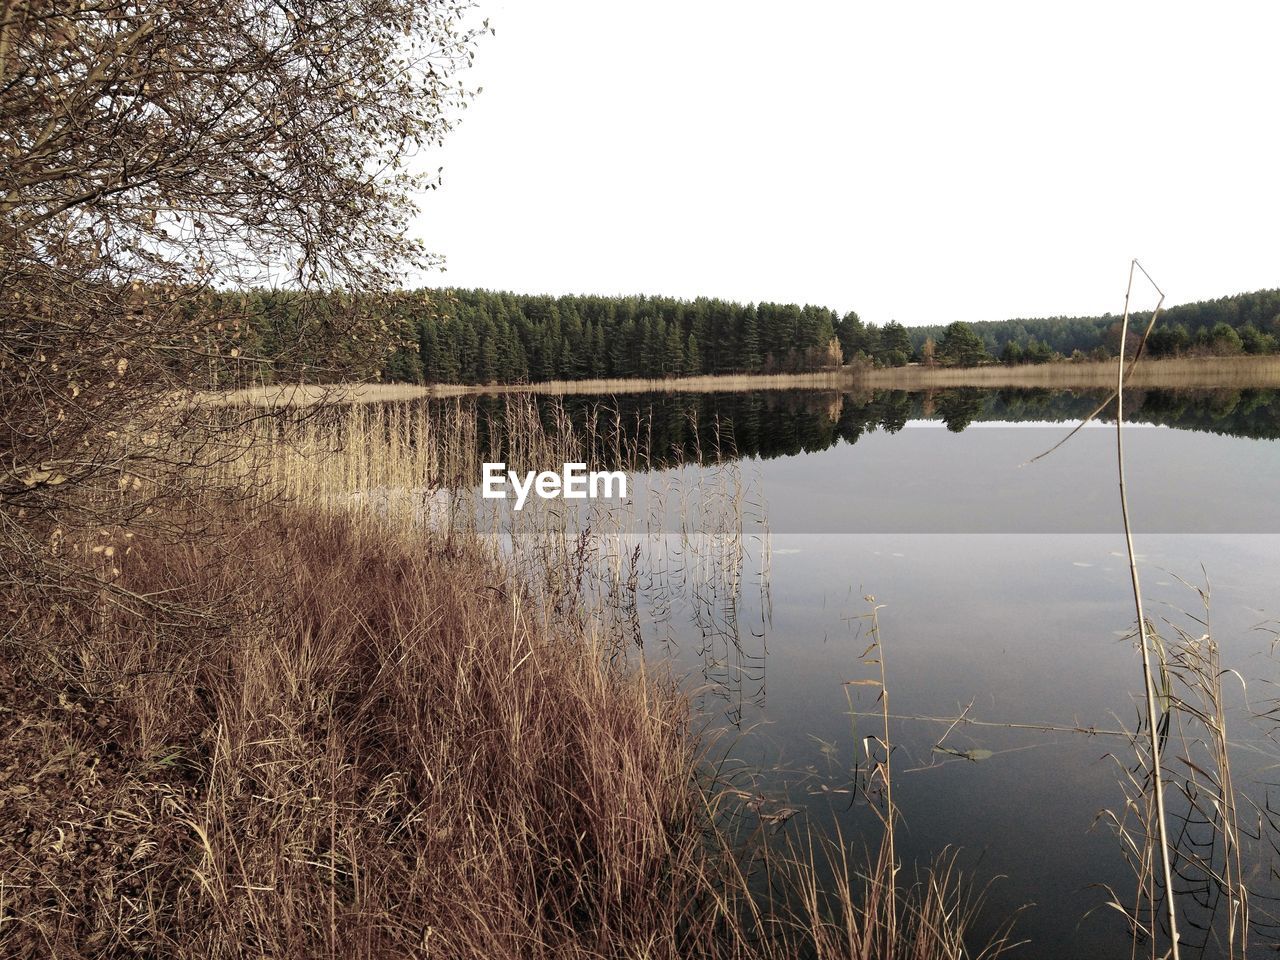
[1188, 372]
[1184, 372]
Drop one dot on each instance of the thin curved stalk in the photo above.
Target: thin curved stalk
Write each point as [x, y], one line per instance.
[1157, 774]
[887, 774]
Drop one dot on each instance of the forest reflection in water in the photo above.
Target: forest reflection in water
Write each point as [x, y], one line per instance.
[757, 524]
[675, 428]
[1007, 603]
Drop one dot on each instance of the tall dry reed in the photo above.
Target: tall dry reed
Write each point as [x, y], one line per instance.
[349, 725]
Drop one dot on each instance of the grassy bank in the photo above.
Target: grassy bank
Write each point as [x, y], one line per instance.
[339, 743]
[321, 731]
[1187, 372]
[381, 392]
[1184, 372]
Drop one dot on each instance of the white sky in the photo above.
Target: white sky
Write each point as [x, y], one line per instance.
[924, 162]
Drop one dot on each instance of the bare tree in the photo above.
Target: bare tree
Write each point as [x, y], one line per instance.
[154, 151]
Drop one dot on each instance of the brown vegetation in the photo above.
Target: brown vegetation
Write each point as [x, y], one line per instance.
[232, 728]
[371, 750]
[1190, 373]
[375, 748]
[155, 152]
[327, 731]
[379, 392]
[1196, 372]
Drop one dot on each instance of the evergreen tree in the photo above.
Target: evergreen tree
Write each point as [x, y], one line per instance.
[1038, 351]
[748, 352]
[468, 350]
[655, 336]
[487, 355]
[622, 352]
[673, 352]
[894, 349]
[519, 363]
[403, 366]
[566, 363]
[598, 359]
[1255, 341]
[1223, 340]
[429, 349]
[692, 356]
[961, 346]
[853, 336]
[481, 336]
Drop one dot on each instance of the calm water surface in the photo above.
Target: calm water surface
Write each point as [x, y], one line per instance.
[1005, 597]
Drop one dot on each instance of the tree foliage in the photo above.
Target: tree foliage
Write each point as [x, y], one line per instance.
[961, 347]
[894, 347]
[1187, 329]
[481, 336]
[153, 152]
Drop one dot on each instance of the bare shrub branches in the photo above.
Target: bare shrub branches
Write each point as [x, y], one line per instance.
[222, 141]
[154, 152]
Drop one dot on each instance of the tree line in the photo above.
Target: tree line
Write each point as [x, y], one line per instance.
[482, 336]
[478, 336]
[1247, 323]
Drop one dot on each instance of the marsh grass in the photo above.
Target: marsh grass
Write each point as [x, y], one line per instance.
[361, 720]
[1190, 855]
[1173, 373]
[386, 753]
[305, 395]
[1209, 838]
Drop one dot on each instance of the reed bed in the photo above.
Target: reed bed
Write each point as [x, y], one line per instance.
[303, 395]
[362, 718]
[1179, 825]
[687, 533]
[1172, 372]
[383, 753]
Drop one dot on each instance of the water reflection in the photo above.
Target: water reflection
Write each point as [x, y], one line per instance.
[761, 520]
[665, 430]
[1022, 628]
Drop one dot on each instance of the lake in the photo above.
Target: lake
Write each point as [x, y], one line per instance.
[760, 523]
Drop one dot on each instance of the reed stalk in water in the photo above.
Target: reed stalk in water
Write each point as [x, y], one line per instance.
[1153, 732]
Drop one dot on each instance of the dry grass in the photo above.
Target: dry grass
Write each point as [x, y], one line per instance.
[386, 753]
[328, 730]
[1175, 372]
[290, 395]
[1184, 372]
[1182, 701]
